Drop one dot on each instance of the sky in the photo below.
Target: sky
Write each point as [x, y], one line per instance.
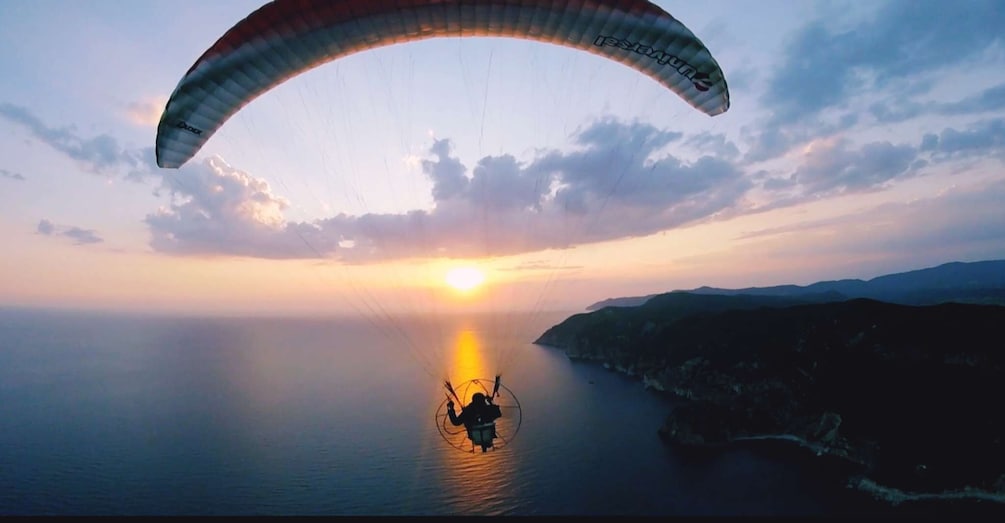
[863, 138]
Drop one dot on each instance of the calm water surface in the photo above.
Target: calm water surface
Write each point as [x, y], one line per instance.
[137, 415]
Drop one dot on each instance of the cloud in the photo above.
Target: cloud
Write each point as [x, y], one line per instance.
[813, 75]
[78, 235]
[898, 109]
[11, 175]
[824, 66]
[832, 167]
[951, 225]
[991, 99]
[219, 210]
[541, 265]
[146, 112]
[101, 154]
[82, 236]
[615, 184]
[715, 144]
[985, 138]
[46, 227]
[832, 71]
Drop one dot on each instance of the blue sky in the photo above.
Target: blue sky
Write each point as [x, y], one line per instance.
[863, 138]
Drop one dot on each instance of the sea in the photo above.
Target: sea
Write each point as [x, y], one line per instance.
[126, 414]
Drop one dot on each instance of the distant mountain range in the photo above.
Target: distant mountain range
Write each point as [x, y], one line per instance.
[980, 282]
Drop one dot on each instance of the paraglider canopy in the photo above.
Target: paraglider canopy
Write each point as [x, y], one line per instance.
[287, 37]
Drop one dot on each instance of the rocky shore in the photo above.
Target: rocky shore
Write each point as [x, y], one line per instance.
[906, 398]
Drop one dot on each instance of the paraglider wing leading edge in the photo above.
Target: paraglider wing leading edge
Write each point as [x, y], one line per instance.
[287, 37]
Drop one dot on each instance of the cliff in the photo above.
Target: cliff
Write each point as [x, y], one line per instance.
[907, 397]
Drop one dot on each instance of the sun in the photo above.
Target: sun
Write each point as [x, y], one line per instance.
[465, 279]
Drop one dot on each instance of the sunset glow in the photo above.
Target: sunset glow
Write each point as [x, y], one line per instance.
[465, 279]
[461, 174]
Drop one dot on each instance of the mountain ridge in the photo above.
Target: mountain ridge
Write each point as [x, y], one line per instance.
[961, 282]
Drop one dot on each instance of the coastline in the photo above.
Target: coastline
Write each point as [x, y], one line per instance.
[968, 500]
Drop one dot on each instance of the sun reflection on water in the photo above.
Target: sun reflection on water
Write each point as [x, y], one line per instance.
[479, 483]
